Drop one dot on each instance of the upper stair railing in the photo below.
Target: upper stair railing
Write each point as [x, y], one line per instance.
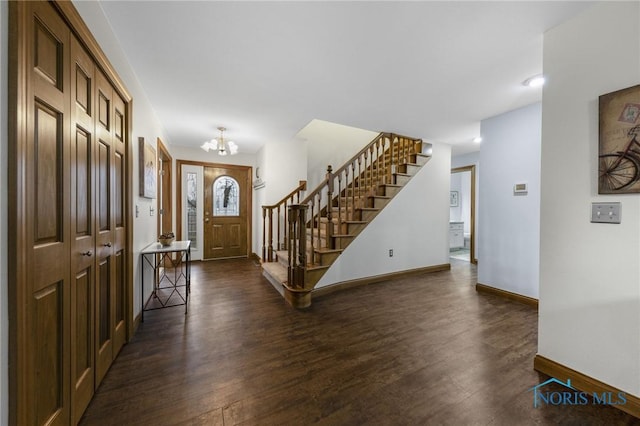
[340, 198]
[279, 222]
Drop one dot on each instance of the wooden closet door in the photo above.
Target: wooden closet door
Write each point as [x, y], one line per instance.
[82, 230]
[119, 217]
[105, 267]
[68, 180]
[44, 311]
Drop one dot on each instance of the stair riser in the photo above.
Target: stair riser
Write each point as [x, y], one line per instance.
[380, 203]
[312, 277]
[368, 215]
[342, 243]
[402, 180]
[410, 169]
[327, 259]
[347, 214]
[421, 160]
[342, 229]
[389, 191]
[355, 228]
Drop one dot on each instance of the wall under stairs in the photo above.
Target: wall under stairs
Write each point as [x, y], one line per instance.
[415, 225]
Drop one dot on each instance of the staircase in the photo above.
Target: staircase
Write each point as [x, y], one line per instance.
[311, 234]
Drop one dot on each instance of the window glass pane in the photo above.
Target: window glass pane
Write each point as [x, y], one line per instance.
[192, 208]
[226, 197]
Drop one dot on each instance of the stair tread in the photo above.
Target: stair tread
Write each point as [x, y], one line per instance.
[317, 267]
[383, 197]
[343, 236]
[276, 270]
[328, 250]
[370, 209]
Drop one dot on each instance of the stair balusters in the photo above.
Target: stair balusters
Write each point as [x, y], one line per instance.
[281, 209]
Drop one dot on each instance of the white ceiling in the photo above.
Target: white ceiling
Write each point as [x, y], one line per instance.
[264, 70]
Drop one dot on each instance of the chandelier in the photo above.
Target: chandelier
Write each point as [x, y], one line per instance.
[222, 146]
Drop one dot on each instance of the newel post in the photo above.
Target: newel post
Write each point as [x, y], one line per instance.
[297, 245]
[329, 233]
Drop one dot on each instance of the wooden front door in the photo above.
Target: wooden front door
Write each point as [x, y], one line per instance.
[227, 200]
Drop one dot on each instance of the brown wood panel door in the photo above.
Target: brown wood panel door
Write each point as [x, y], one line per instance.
[104, 227]
[82, 231]
[119, 224]
[227, 201]
[47, 301]
[70, 273]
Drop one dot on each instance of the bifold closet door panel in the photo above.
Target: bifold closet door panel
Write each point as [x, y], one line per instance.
[45, 329]
[105, 268]
[119, 218]
[82, 222]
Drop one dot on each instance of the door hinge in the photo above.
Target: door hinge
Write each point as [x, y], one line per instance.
[161, 211]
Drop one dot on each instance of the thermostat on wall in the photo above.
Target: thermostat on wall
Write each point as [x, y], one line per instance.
[520, 188]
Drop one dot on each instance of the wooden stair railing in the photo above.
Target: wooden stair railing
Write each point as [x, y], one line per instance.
[348, 196]
[280, 220]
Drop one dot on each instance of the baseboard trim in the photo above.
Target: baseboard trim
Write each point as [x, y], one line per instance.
[323, 291]
[136, 324]
[585, 383]
[482, 288]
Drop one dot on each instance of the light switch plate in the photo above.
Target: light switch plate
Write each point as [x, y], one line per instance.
[606, 212]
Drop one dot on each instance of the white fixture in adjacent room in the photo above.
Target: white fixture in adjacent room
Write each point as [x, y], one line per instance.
[535, 81]
[477, 139]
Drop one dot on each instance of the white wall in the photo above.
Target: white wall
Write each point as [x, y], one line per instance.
[259, 199]
[4, 317]
[145, 124]
[419, 235]
[470, 159]
[331, 144]
[589, 273]
[509, 225]
[282, 166]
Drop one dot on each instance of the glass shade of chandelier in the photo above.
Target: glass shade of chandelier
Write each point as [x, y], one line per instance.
[220, 145]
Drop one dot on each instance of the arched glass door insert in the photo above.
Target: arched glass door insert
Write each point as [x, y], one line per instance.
[226, 197]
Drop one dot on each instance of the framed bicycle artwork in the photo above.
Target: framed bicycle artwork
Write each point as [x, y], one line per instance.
[619, 143]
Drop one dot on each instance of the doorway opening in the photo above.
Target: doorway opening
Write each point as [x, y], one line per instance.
[165, 193]
[462, 214]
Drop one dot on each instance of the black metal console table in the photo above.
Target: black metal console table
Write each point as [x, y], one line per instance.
[171, 285]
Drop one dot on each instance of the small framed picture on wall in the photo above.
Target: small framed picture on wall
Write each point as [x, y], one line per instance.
[147, 165]
[453, 199]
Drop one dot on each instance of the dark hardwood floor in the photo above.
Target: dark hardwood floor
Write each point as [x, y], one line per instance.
[422, 350]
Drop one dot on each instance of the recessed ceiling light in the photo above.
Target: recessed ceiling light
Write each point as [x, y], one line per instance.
[535, 81]
[477, 139]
